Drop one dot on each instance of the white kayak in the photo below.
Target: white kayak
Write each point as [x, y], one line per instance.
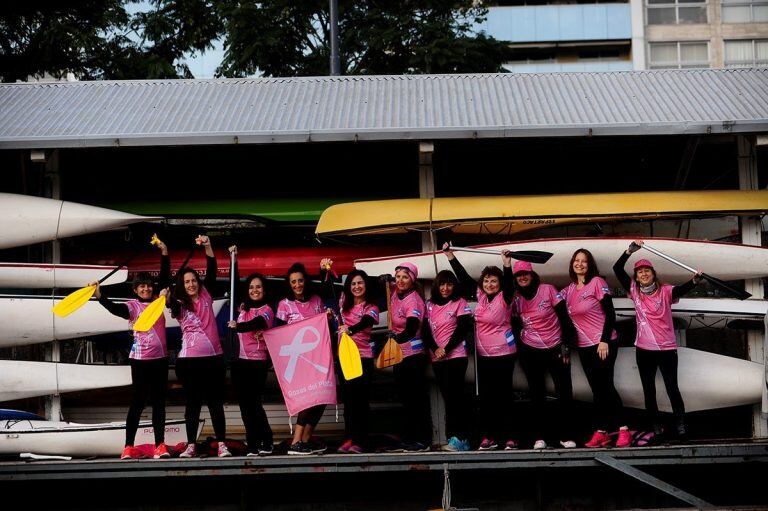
[28, 219]
[26, 319]
[706, 381]
[726, 261]
[48, 276]
[704, 308]
[80, 440]
[20, 379]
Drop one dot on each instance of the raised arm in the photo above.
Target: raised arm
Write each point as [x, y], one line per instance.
[164, 279]
[211, 265]
[618, 268]
[468, 284]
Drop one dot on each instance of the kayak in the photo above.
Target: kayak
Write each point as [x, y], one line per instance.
[26, 319]
[48, 276]
[58, 438]
[28, 219]
[512, 214]
[727, 261]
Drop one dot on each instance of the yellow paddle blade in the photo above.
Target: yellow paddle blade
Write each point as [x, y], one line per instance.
[349, 358]
[73, 301]
[150, 315]
[391, 354]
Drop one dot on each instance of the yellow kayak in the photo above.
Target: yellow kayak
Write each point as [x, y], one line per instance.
[514, 214]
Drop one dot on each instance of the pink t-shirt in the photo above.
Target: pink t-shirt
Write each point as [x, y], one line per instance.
[655, 330]
[442, 320]
[410, 306]
[252, 346]
[199, 335]
[292, 311]
[541, 327]
[492, 326]
[352, 317]
[586, 312]
[147, 345]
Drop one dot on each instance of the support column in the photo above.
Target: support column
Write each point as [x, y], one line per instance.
[427, 191]
[751, 232]
[53, 254]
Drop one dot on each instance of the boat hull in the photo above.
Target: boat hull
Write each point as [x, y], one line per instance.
[80, 440]
[21, 379]
[49, 276]
[727, 261]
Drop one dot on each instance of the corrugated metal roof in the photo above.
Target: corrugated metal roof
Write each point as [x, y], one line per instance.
[267, 110]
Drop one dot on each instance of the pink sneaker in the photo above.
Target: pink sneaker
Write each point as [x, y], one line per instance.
[625, 438]
[599, 439]
[488, 444]
[344, 448]
[189, 452]
[129, 453]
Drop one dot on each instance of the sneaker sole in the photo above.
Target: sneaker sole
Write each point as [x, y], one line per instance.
[161, 456]
[294, 453]
[488, 448]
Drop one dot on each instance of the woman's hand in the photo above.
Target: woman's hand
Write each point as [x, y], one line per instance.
[506, 258]
[326, 263]
[97, 291]
[203, 240]
[233, 249]
[447, 251]
[232, 324]
[635, 246]
[440, 353]
[602, 350]
[697, 277]
[565, 353]
[159, 244]
[164, 292]
[343, 329]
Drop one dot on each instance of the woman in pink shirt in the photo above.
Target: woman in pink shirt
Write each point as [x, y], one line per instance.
[655, 343]
[545, 334]
[148, 358]
[406, 308]
[249, 370]
[358, 317]
[200, 364]
[495, 345]
[449, 323]
[590, 306]
[301, 303]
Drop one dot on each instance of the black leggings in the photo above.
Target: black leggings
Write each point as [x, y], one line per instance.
[249, 378]
[411, 383]
[356, 394]
[311, 416]
[609, 408]
[203, 378]
[450, 376]
[647, 363]
[536, 363]
[150, 379]
[495, 375]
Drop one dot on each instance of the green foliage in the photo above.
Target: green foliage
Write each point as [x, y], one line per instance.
[104, 39]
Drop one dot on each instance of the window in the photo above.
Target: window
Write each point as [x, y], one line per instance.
[678, 55]
[672, 12]
[745, 11]
[748, 53]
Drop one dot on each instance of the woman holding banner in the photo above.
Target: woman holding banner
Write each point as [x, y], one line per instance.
[249, 370]
[495, 345]
[303, 303]
[200, 364]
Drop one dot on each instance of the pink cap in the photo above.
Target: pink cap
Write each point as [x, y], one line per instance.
[410, 268]
[521, 266]
[643, 263]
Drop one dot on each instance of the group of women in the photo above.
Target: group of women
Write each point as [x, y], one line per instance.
[516, 317]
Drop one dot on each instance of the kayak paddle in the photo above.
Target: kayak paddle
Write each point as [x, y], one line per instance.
[531, 256]
[233, 346]
[77, 299]
[154, 310]
[391, 354]
[737, 293]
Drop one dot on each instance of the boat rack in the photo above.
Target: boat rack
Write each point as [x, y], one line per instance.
[634, 463]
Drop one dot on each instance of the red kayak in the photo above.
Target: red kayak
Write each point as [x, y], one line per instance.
[272, 262]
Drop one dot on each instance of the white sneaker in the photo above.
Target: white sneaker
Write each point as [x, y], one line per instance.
[568, 444]
[223, 451]
[189, 452]
[540, 444]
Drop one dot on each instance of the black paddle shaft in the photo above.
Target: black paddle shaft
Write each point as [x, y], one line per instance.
[117, 268]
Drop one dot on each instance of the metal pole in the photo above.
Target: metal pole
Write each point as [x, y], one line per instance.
[335, 65]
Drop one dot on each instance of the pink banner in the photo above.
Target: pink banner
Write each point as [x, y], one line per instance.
[303, 359]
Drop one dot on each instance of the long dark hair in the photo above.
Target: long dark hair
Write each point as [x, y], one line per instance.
[309, 289]
[445, 277]
[348, 301]
[248, 303]
[179, 293]
[591, 266]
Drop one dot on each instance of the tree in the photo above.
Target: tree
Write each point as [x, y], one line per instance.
[288, 38]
